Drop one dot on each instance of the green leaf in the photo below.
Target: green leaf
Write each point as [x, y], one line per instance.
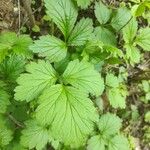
[5, 136]
[19, 110]
[4, 97]
[40, 76]
[93, 50]
[143, 39]
[69, 112]
[34, 135]
[141, 8]
[132, 53]
[112, 80]
[147, 117]
[114, 51]
[83, 3]
[93, 46]
[147, 133]
[147, 96]
[113, 61]
[36, 28]
[102, 13]
[61, 65]
[121, 18]
[11, 68]
[15, 146]
[109, 124]
[105, 35]
[4, 101]
[17, 44]
[5, 133]
[130, 30]
[8, 38]
[83, 76]
[116, 98]
[96, 143]
[3, 51]
[81, 33]
[50, 47]
[21, 46]
[63, 13]
[119, 142]
[146, 86]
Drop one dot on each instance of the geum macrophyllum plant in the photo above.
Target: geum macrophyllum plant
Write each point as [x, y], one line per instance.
[57, 89]
[63, 81]
[63, 96]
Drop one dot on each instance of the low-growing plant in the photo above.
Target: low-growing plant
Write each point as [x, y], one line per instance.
[50, 89]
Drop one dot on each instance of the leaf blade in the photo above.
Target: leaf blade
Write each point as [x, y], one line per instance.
[40, 75]
[34, 135]
[81, 33]
[109, 124]
[118, 142]
[84, 3]
[122, 17]
[96, 143]
[143, 39]
[116, 98]
[102, 13]
[63, 13]
[4, 98]
[130, 30]
[76, 114]
[83, 76]
[50, 47]
[105, 35]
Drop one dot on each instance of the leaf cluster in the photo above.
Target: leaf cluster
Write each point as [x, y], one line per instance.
[51, 99]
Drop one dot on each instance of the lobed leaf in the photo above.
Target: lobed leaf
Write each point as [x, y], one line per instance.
[119, 142]
[8, 38]
[102, 13]
[69, 112]
[63, 13]
[81, 33]
[130, 30]
[96, 143]
[34, 136]
[9, 41]
[112, 80]
[5, 133]
[40, 76]
[143, 39]
[116, 98]
[11, 68]
[121, 18]
[50, 47]
[4, 49]
[109, 124]
[4, 101]
[132, 53]
[83, 76]
[105, 35]
[83, 3]
[21, 46]
[4, 98]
